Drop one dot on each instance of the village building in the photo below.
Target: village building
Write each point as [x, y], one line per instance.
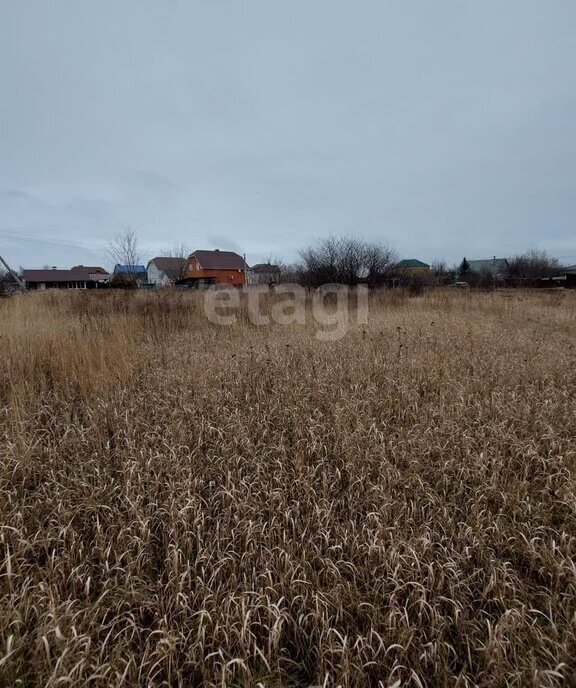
[91, 269]
[495, 267]
[130, 274]
[165, 271]
[263, 273]
[413, 267]
[205, 268]
[79, 277]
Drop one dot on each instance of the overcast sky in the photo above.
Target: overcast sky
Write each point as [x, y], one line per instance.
[443, 128]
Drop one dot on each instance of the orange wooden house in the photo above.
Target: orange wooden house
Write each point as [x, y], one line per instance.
[216, 267]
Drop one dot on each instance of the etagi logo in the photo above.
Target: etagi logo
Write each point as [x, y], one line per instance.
[327, 307]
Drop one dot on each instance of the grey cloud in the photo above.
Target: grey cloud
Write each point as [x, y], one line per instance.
[444, 129]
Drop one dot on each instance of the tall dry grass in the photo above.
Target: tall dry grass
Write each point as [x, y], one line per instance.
[182, 504]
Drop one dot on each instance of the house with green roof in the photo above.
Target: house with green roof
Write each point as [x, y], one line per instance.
[413, 266]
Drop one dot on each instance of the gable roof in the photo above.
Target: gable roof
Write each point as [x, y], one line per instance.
[90, 268]
[265, 267]
[219, 260]
[569, 268]
[73, 275]
[173, 267]
[129, 268]
[412, 263]
[55, 276]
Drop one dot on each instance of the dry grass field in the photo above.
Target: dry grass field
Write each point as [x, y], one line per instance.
[183, 504]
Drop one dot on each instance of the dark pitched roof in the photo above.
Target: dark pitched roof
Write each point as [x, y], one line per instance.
[129, 268]
[90, 268]
[219, 260]
[55, 276]
[173, 267]
[568, 268]
[265, 267]
[412, 263]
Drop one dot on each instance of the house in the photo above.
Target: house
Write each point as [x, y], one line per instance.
[413, 267]
[93, 270]
[496, 267]
[565, 279]
[214, 267]
[165, 271]
[133, 274]
[76, 278]
[263, 273]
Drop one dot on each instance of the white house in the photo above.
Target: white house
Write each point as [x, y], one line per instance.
[263, 273]
[164, 271]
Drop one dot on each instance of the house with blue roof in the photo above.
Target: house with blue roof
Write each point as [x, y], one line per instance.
[131, 274]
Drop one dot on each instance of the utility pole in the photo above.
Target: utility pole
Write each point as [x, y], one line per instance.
[12, 274]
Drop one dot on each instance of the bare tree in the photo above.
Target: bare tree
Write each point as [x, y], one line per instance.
[442, 273]
[291, 272]
[348, 261]
[124, 249]
[5, 282]
[182, 251]
[532, 265]
[379, 263]
[439, 268]
[320, 264]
